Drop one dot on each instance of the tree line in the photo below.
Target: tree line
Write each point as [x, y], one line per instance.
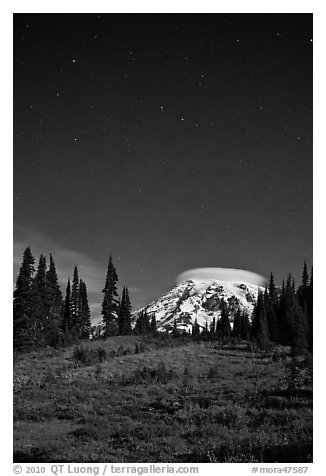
[42, 317]
[280, 316]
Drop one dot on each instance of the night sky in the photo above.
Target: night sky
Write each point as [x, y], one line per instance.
[173, 141]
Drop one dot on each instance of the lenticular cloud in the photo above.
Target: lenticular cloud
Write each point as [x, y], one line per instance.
[221, 274]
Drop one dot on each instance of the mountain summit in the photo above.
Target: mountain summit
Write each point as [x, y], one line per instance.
[201, 300]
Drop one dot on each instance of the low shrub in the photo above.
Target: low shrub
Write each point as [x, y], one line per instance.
[145, 374]
[89, 356]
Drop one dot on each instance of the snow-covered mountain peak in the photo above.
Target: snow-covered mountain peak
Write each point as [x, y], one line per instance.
[202, 300]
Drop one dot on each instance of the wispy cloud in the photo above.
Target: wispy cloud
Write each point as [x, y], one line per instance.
[221, 274]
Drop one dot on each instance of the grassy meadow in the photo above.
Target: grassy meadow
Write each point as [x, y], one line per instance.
[161, 400]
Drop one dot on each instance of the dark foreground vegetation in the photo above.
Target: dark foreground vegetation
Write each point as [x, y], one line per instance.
[222, 393]
[161, 399]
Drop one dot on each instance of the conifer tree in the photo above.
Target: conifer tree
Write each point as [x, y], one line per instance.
[84, 319]
[142, 326]
[128, 313]
[39, 290]
[67, 313]
[270, 310]
[153, 324]
[299, 329]
[124, 316]
[305, 276]
[225, 327]
[212, 329]
[289, 306]
[236, 331]
[272, 289]
[245, 326]
[110, 304]
[281, 317]
[39, 282]
[304, 295]
[40, 316]
[310, 311]
[54, 295]
[75, 299]
[195, 330]
[284, 316]
[23, 302]
[206, 332]
[259, 323]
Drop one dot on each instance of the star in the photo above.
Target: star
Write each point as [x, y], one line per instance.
[74, 60]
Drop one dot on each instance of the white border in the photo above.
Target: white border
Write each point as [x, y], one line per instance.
[202, 6]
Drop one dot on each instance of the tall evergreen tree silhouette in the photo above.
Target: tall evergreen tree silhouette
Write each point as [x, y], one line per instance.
[39, 304]
[225, 327]
[142, 326]
[299, 329]
[153, 324]
[39, 282]
[124, 317]
[236, 331]
[195, 330]
[310, 311]
[212, 330]
[272, 289]
[289, 307]
[39, 290]
[54, 295]
[67, 312]
[305, 276]
[110, 304]
[259, 323]
[75, 299]
[270, 301]
[245, 326]
[23, 302]
[84, 313]
[281, 317]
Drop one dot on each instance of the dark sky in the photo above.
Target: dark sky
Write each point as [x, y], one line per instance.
[174, 141]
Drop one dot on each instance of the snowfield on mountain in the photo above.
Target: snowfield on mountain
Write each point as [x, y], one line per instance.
[203, 301]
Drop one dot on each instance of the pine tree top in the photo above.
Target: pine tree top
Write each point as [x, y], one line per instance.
[305, 276]
[26, 271]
